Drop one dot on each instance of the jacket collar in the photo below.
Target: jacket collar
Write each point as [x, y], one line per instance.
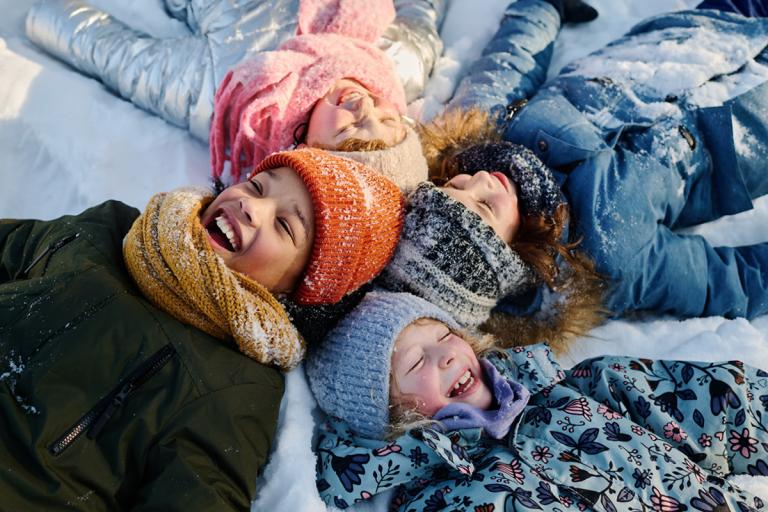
[532, 366]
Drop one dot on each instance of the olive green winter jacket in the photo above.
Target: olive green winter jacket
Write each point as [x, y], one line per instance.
[106, 402]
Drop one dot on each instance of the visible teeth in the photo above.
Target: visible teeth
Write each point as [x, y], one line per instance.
[351, 96]
[464, 379]
[226, 228]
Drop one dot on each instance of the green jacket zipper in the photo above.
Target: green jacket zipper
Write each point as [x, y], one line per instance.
[94, 421]
[51, 249]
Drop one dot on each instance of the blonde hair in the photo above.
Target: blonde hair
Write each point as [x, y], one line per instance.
[538, 243]
[404, 415]
[361, 145]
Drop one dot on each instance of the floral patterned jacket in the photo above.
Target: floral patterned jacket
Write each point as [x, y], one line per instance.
[613, 433]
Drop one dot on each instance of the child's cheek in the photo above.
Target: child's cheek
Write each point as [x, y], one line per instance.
[431, 395]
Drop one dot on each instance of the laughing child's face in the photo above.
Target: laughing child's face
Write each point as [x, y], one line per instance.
[490, 195]
[350, 111]
[433, 367]
[264, 228]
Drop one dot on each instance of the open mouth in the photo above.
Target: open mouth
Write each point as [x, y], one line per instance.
[464, 384]
[348, 95]
[222, 232]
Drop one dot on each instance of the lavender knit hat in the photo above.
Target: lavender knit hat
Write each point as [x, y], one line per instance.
[449, 256]
[349, 371]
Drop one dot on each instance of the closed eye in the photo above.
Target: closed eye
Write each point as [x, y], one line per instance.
[344, 129]
[416, 364]
[257, 187]
[445, 336]
[286, 227]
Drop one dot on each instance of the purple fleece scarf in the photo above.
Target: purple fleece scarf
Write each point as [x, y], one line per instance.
[510, 396]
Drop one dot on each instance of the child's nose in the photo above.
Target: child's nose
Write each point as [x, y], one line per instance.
[482, 177]
[447, 358]
[255, 210]
[483, 180]
[364, 106]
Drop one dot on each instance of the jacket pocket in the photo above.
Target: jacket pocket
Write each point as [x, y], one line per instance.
[49, 251]
[94, 421]
[558, 133]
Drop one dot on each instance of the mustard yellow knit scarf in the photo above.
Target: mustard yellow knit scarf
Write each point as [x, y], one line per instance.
[168, 256]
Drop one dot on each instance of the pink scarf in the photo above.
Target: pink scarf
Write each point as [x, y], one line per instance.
[260, 103]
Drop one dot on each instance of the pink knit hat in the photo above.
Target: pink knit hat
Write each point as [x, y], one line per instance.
[361, 19]
[260, 103]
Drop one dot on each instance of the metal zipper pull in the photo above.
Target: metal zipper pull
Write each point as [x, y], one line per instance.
[112, 407]
[134, 381]
[94, 420]
[53, 247]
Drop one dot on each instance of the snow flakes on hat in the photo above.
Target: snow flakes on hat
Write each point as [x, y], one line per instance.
[358, 218]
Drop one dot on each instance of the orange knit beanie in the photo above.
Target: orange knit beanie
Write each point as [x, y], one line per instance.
[358, 219]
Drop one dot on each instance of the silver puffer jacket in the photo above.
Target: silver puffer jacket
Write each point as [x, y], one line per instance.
[175, 78]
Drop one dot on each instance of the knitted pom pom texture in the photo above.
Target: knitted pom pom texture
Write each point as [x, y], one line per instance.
[361, 19]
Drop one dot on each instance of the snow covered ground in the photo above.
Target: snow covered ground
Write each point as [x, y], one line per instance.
[67, 143]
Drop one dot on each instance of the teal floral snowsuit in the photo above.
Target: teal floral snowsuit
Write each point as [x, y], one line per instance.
[613, 433]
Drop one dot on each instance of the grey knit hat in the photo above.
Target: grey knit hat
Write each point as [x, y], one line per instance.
[349, 371]
[403, 163]
[449, 256]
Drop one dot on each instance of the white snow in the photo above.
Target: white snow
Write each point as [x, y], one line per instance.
[67, 143]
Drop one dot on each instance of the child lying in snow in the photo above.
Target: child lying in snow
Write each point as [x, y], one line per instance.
[136, 350]
[631, 157]
[662, 129]
[289, 72]
[452, 423]
[498, 229]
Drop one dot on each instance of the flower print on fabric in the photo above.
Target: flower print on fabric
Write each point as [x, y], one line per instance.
[542, 454]
[511, 470]
[607, 413]
[709, 500]
[663, 503]
[742, 443]
[579, 407]
[673, 431]
[722, 396]
[349, 469]
[701, 409]
[615, 434]
[418, 457]
[642, 477]
[759, 468]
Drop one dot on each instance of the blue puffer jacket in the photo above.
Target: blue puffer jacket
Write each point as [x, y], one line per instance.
[662, 129]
